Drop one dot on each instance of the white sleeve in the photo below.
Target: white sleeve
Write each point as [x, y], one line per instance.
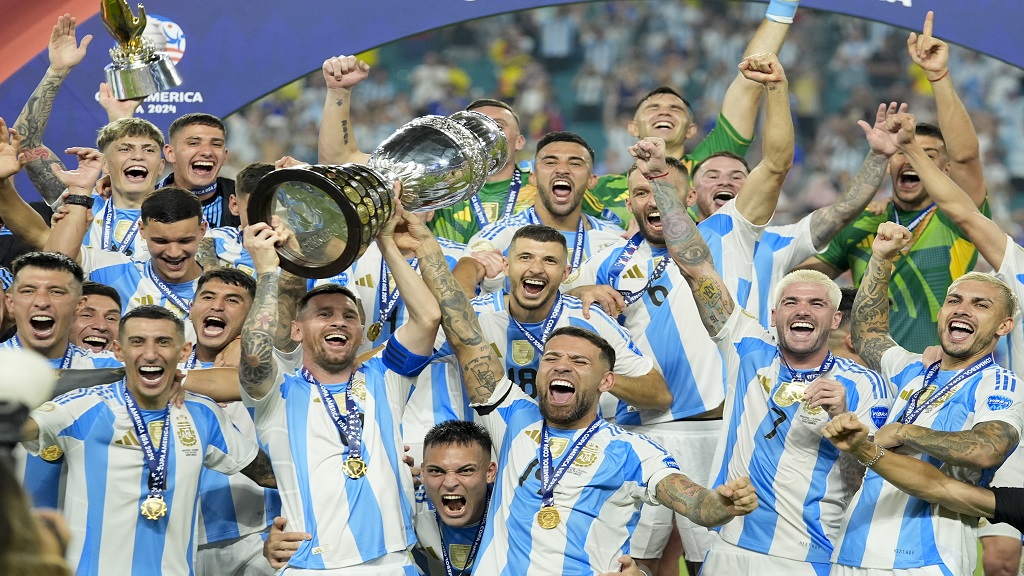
[93, 259]
[629, 361]
[228, 451]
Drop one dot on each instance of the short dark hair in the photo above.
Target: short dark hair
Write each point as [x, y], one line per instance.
[248, 177]
[459, 433]
[193, 118]
[47, 261]
[232, 276]
[675, 163]
[539, 233]
[152, 312]
[481, 102]
[846, 306]
[926, 129]
[721, 154]
[90, 288]
[330, 288]
[607, 352]
[171, 204]
[563, 136]
[664, 90]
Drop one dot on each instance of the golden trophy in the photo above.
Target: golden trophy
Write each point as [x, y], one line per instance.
[138, 69]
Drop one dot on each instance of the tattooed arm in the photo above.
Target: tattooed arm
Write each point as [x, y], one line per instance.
[984, 446]
[827, 222]
[290, 289]
[707, 507]
[870, 328]
[65, 53]
[260, 471]
[258, 370]
[417, 335]
[207, 254]
[337, 142]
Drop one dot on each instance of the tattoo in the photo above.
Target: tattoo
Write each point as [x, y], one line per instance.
[851, 473]
[339, 102]
[984, 446]
[344, 130]
[260, 471]
[207, 254]
[700, 505]
[31, 124]
[290, 289]
[827, 222]
[257, 361]
[870, 328]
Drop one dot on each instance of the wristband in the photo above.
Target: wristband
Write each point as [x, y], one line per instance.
[656, 177]
[80, 200]
[488, 285]
[944, 74]
[781, 11]
[879, 452]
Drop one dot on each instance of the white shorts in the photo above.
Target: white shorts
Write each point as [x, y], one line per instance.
[725, 559]
[839, 570]
[1010, 475]
[238, 557]
[392, 564]
[692, 444]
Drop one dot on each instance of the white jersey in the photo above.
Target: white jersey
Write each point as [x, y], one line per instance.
[1012, 272]
[888, 529]
[732, 238]
[770, 435]
[438, 396]
[352, 521]
[498, 236]
[780, 249]
[227, 245]
[108, 477]
[124, 228]
[598, 499]
[234, 506]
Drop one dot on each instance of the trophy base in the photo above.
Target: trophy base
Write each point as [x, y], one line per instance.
[138, 80]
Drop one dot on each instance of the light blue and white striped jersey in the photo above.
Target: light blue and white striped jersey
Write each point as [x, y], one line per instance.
[598, 499]
[732, 238]
[363, 278]
[108, 477]
[227, 245]
[520, 357]
[438, 396]
[780, 249]
[1012, 272]
[123, 218]
[429, 548]
[498, 235]
[770, 436]
[232, 506]
[352, 521]
[885, 528]
[44, 478]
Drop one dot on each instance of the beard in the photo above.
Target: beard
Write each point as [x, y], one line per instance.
[564, 416]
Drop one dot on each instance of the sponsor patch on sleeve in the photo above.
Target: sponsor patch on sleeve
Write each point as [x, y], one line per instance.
[879, 414]
[997, 402]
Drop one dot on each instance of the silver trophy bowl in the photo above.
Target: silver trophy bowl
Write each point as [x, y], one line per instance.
[333, 212]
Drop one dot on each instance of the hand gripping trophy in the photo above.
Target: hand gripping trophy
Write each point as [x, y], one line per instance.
[334, 212]
[138, 69]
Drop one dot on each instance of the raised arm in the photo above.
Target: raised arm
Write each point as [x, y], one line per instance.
[686, 246]
[870, 328]
[956, 204]
[915, 477]
[258, 370]
[828, 221]
[65, 53]
[760, 192]
[337, 144]
[418, 334]
[707, 507]
[24, 222]
[69, 231]
[932, 55]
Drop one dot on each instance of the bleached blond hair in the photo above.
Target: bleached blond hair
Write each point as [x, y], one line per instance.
[835, 295]
[1009, 298]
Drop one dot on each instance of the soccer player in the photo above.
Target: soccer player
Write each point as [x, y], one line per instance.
[333, 421]
[962, 414]
[778, 397]
[197, 150]
[499, 198]
[563, 170]
[110, 480]
[223, 300]
[222, 246]
[938, 254]
[96, 320]
[542, 515]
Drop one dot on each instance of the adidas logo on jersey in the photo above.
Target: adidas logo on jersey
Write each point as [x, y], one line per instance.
[634, 272]
[366, 281]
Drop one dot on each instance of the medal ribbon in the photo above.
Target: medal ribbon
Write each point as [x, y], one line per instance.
[809, 375]
[510, 201]
[548, 327]
[348, 427]
[107, 234]
[156, 460]
[386, 299]
[624, 258]
[476, 540]
[169, 180]
[916, 221]
[549, 478]
[166, 291]
[191, 362]
[578, 245]
[915, 408]
[65, 362]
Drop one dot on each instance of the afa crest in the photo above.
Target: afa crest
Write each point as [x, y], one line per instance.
[522, 352]
[186, 433]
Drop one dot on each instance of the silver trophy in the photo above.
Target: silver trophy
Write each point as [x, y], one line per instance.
[333, 212]
[138, 69]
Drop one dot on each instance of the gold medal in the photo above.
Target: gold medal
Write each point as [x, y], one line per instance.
[51, 453]
[154, 508]
[548, 517]
[354, 467]
[373, 332]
